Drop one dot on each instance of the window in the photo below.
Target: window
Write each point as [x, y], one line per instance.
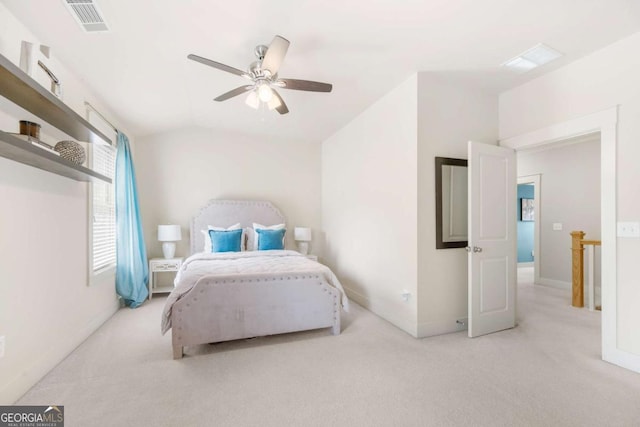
[102, 208]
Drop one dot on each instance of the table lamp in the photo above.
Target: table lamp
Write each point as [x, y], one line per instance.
[168, 235]
[302, 235]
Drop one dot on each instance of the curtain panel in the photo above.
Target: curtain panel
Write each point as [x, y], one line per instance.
[132, 271]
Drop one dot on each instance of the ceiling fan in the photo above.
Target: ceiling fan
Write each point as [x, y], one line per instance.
[263, 74]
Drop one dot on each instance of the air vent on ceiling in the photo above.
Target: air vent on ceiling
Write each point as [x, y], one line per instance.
[538, 55]
[87, 14]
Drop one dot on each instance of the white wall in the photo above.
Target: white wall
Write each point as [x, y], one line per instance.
[378, 200]
[570, 194]
[178, 172]
[599, 81]
[450, 114]
[369, 205]
[46, 305]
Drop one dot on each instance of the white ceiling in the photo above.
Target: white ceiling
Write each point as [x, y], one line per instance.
[363, 47]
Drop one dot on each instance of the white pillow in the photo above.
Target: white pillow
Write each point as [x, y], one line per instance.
[252, 242]
[207, 238]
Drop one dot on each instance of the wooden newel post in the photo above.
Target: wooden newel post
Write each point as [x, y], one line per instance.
[577, 269]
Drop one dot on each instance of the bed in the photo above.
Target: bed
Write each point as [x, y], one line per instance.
[235, 295]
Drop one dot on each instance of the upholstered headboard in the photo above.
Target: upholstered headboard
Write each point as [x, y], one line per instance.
[224, 213]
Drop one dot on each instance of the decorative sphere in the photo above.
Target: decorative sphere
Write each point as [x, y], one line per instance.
[71, 151]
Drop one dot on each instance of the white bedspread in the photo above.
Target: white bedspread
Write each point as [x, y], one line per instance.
[251, 262]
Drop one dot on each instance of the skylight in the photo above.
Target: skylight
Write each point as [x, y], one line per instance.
[532, 58]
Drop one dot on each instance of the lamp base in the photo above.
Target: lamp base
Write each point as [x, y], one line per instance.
[303, 248]
[169, 250]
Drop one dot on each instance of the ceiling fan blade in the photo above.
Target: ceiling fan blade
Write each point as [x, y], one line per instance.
[275, 54]
[217, 65]
[235, 92]
[282, 108]
[307, 85]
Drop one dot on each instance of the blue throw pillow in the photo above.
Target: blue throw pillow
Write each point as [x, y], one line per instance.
[226, 241]
[270, 239]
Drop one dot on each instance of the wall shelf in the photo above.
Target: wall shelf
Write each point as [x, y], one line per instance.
[24, 91]
[21, 151]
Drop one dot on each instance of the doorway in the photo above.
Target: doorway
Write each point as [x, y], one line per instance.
[529, 226]
[571, 202]
[527, 209]
[526, 223]
[604, 122]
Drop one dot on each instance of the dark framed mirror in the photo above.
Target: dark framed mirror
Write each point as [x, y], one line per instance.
[451, 203]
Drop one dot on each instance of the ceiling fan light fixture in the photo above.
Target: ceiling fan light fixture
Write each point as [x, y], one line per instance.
[265, 93]
[263, 75]
[252, 100]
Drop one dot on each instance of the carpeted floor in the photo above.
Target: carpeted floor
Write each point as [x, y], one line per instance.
[545, 372]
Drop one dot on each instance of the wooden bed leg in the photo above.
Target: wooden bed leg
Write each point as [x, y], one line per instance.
[177, 352]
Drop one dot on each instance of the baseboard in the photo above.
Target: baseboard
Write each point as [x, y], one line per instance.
[430, 329]
[621, 358]
[525, 264]
[383, 309]
[389, 312]
[552, 283]
[59, 348]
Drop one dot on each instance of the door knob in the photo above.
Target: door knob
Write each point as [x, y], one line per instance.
[477, 249]
[468, 248]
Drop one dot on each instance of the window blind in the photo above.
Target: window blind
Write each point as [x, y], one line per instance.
[104, 209]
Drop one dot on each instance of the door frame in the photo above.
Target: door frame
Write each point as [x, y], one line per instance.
[535, 180]
[605, 123]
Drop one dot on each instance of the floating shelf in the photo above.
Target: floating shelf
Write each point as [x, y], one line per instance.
[24, 91]
[22, 151]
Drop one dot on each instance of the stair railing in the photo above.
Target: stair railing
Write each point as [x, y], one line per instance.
[578, 243]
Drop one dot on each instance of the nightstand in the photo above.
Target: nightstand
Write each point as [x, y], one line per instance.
[161, 265]
[312, 257]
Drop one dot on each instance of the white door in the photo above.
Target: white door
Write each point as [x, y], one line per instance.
[492, 238]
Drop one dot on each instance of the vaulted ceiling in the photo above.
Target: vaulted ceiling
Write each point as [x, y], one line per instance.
[363, 47]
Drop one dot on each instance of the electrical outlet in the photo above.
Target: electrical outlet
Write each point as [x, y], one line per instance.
[2, 347]
[629, 229]
[557, 226]
[405, 295]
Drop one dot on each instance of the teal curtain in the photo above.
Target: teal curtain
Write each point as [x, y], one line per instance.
[132, 271]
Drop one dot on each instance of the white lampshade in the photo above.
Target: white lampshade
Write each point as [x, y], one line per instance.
[169, 233]
[265, 93]
[302, 234]
[252, 100]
